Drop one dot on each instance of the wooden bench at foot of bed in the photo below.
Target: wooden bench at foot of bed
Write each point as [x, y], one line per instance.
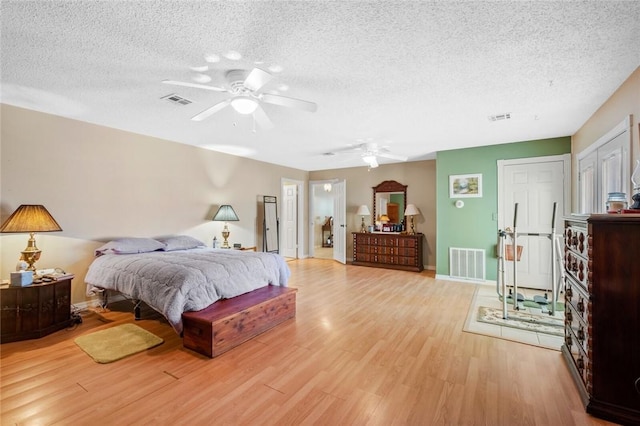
[230, 322]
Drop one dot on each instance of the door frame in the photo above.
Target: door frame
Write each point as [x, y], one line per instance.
[311, 238]
[299, 218]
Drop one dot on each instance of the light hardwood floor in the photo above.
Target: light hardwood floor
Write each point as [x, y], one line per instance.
[368, 346]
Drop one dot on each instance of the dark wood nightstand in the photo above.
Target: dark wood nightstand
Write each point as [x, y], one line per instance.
[35, 310]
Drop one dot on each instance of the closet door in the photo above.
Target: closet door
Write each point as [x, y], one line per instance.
[605, 167]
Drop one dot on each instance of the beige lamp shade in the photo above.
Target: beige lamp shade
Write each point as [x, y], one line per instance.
[363, 210]
[411, 210]
[384, 218]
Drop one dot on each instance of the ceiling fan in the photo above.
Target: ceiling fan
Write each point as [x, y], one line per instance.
[246, 96]
[370, 152]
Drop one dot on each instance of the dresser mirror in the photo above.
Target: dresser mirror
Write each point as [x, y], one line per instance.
[389, 199]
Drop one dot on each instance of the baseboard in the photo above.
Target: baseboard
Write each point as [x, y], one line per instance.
[461, 280]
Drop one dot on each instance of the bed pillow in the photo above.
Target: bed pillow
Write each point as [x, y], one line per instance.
[130, 246]
[180, 242]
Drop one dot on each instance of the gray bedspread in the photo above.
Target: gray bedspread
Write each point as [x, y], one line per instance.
[185, 280]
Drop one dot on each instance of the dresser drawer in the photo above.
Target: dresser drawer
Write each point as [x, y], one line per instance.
[578, 327]
[576, 297]
[576, 239]
[578, 356]
[577, 267]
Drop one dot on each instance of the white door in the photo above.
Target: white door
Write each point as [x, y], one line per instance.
[534, 184]
[289, 225]
[340, 221]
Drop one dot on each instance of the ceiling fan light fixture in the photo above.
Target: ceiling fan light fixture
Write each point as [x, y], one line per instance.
[370, 160]
[244, 105]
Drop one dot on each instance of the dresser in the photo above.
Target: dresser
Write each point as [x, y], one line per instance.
[35, 310]
[602, 317]
[387, 250]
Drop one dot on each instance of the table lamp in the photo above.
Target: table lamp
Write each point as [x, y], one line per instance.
[30, 218]
[411, 211]
[363, 211]
[225, 214]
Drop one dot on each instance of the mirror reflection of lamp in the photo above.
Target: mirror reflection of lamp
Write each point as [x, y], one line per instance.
[30, 218]
[225, 214]
[411, 211]
[363, 211]
[383, 220]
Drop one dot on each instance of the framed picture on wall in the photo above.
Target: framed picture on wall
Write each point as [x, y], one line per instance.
[465, 186]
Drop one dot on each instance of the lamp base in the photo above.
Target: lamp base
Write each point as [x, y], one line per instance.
[31, 253]
[225, 235]
[363, 228]
[636, 201]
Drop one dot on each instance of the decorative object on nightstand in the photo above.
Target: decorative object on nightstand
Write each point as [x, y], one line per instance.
[411, 211]
[30, 218]
[225, 214]
[363, 211]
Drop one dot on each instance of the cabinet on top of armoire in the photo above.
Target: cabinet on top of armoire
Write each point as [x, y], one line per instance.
[602, 317]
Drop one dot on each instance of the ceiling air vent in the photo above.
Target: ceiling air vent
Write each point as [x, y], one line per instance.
[500, 117]
[178, 100]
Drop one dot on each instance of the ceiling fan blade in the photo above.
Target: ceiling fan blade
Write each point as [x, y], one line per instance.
[392, 156]
[211, 110]
[196, 85]
[289, 102]
[262, 119]
[256, 79]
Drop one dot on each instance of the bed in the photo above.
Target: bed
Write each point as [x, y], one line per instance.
[178, 274]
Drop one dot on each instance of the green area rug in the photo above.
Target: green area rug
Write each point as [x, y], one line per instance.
[537, 323]
[115, 343]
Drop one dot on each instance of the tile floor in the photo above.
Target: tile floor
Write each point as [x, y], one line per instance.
[486, 295]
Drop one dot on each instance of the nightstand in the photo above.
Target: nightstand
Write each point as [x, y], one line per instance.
[35, 310]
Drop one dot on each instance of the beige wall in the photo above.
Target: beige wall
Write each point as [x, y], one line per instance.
[100, 183]
[624, 101]
[420, 178]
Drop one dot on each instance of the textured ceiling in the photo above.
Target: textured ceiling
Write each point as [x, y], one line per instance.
[417, 77]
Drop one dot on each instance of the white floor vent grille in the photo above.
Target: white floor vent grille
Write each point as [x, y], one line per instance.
[466, 263]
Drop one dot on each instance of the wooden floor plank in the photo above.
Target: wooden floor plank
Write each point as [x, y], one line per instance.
[368, 346]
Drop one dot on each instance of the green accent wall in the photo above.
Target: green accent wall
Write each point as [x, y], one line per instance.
[475, 225]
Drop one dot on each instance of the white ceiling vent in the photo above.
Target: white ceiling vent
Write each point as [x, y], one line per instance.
[500, 117]
[178, 100]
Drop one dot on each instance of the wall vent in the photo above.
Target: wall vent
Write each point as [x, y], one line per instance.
[467, 264]
[499, 117]
[178, 100]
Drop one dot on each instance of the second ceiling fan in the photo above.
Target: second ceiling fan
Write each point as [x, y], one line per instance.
[246, 96]
[370, 152]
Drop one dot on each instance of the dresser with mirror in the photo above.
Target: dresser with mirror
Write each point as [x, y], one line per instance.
[388, 245]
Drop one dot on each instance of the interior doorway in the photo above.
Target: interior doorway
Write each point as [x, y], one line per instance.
[321, 214]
